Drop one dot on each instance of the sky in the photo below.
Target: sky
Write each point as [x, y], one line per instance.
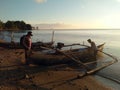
[63, 14]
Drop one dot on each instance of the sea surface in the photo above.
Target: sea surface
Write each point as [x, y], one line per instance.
[110, 75]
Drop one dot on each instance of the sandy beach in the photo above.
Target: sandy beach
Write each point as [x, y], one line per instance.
[14, 75]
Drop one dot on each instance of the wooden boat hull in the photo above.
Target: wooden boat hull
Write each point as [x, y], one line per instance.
[83, 54]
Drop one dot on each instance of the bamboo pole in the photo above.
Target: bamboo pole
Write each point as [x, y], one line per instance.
[76, 44]
[99, 68]
[12, 37]
[52, 37]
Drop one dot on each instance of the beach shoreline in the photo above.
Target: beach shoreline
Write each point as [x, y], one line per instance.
[16, 76]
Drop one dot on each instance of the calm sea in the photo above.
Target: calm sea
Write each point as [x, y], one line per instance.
[110, 37]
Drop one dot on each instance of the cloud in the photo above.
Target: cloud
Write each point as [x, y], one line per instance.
[40, 1]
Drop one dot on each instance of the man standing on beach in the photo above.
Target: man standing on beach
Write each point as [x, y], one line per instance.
[27, 43]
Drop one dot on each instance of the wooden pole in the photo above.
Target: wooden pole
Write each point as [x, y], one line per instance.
[109, 55]
[52, 36]
[75, 44]
[12, 37]
[99, 68]
[103, 66]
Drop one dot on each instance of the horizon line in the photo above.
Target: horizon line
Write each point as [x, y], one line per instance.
[80, 29]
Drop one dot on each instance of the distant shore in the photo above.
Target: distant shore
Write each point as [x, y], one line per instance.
[14, 25]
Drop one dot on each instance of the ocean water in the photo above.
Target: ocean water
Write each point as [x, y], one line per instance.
[110, 37]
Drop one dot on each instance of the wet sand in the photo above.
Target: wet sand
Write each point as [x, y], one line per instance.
[14, 75]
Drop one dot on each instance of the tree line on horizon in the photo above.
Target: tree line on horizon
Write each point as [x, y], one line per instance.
[15, 25]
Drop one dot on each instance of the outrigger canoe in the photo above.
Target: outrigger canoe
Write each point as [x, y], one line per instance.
[52, 57]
